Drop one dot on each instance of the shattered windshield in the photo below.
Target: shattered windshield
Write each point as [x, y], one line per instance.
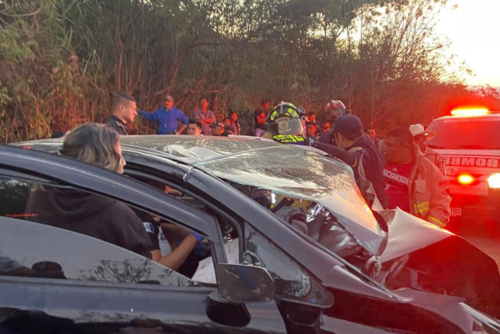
[306, 175]
[196, 148]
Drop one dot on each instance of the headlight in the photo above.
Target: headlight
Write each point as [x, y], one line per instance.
[494, 181]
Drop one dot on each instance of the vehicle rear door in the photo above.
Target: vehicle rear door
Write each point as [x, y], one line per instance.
[54, 277]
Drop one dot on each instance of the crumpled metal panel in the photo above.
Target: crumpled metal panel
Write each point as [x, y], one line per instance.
[298, 173]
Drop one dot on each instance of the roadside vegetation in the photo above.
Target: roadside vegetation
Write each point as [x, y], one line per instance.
[61, 61]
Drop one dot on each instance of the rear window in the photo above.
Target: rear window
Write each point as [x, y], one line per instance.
[481, 133]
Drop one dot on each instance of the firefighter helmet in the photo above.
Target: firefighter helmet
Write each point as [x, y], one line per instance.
[284, 119]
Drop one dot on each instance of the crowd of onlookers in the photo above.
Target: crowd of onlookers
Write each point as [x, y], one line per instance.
[399, 171]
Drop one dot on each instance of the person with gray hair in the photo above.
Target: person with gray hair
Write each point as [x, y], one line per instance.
[95, 144]
[171, 120]
[124, 112]
[95, 215]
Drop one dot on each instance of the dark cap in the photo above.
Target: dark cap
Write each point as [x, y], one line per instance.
[348, 126]
[215, 124]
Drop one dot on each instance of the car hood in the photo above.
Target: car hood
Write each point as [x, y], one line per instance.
[304, 174]
[408, 234]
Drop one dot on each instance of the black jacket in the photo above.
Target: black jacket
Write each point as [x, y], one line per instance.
[118, 125]
[373, 163]
[93, 215]
[327, 138]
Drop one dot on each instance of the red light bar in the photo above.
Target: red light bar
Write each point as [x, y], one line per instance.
[470, 112]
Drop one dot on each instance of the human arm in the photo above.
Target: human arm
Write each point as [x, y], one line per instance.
[440, 164]
[183, 120]
[347, 157]
[210, 119]
[260, 117]
[153, 116]
[172, 191]
[176, 258]
[439, 206]
[197, 115]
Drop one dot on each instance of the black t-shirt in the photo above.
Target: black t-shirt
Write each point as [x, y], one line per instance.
[327, 138]
[154, 232]
[118, 125]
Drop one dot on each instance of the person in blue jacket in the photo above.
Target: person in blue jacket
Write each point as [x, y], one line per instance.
[171, 120]
[358, 151]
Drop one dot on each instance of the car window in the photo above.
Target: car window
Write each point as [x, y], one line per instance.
[475, 133]
[292, 281]
[228, 230]
[59, 243]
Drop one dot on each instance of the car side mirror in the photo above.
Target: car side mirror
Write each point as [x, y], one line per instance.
[239, 283]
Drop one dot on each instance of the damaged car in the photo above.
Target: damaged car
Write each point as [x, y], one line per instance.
[290, 215]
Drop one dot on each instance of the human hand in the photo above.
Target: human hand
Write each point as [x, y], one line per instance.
[199, 237]
[201, 248]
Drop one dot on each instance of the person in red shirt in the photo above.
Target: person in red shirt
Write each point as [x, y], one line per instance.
[413, 183]
[397, 173]
[261, 118]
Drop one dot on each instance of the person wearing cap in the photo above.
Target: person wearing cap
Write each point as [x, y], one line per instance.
[171, 120]
[205, 116]
[124, 112]
[333, 110]
[420, 136]
[414, 184]
[359, 152]
[217, 128]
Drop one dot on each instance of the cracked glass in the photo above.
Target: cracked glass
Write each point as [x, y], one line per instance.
[303, 174]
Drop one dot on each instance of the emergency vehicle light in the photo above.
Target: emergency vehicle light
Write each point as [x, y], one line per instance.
[469, 112]
[494, 181]
[466, 179]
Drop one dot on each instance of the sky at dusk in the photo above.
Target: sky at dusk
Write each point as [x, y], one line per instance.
[474, 29]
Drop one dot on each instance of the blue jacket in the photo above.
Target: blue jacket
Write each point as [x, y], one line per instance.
[168, 119]
[373, 162]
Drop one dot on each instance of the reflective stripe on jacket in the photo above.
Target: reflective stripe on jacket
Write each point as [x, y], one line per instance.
[429, 199]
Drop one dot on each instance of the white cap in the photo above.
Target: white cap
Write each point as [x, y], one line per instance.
[418, 129]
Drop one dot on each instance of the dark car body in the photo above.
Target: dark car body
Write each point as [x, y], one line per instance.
[316, 290]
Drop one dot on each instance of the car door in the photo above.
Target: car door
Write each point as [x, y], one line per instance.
[69, 281]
